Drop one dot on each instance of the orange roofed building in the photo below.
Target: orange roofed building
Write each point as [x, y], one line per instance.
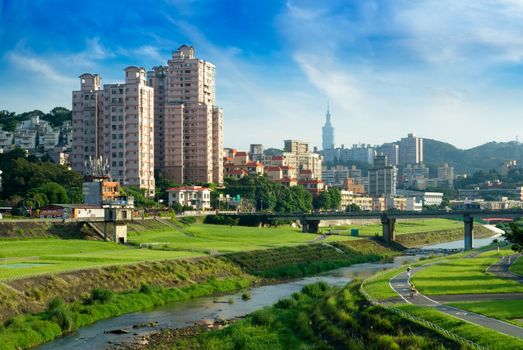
[237, 165]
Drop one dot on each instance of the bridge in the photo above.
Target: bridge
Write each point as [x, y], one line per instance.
[310, 221]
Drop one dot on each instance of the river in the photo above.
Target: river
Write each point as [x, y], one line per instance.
[186, 313]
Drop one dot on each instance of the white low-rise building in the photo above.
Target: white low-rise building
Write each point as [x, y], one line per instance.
[197, 197]
[432, 198]
[413, 204]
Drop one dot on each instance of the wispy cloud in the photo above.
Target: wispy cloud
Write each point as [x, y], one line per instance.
[38, 66]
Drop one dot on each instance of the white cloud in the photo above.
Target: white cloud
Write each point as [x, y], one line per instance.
[39, 66]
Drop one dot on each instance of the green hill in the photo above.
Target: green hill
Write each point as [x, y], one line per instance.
[485, 157]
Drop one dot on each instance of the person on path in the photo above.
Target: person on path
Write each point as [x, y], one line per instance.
[409, 269]
[413, 290]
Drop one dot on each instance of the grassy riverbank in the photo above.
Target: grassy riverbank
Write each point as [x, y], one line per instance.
[459, 275]
[480, 335]
[317, 318]
[170, 280]
[30, 330]
[289, 262]
[402, 227]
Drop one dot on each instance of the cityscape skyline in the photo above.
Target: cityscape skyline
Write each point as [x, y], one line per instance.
[392, 77]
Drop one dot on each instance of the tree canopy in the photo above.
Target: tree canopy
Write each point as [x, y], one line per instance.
[25, 176]
[515, 236]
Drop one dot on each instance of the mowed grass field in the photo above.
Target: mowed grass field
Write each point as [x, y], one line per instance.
[517, 267]
[459, 275]
[402, 227]
[225, 239]
[36, 256]
[506, 310]
[20, 258]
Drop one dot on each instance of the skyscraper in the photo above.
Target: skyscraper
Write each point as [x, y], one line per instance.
[116, 123]
[328, 133]
[189, 130]
[411, 150]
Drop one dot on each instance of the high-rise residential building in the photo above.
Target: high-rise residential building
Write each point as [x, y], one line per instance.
[189, 137]
[328, 133]
[358, 153]
[382, 178]
[86, 116]
[391, 150]
[411, 150]
[446, 176]
[116, 123]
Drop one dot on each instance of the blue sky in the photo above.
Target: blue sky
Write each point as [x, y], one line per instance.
[448, 70]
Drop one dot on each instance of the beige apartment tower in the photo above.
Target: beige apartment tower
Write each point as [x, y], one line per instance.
[188, 125]
[116, 123]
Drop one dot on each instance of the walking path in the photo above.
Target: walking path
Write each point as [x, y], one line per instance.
[400, 284]
[501, 268]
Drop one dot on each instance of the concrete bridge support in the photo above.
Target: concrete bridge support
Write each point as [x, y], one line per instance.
[387, 228]
[310, 226]
[469, 231]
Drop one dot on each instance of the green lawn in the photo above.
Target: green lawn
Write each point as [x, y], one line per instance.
[517, 267]
[402, 227]
[480, 335]
[56, 255]
[506, 310]
[225, 239]
[459, 275]
[25, 257]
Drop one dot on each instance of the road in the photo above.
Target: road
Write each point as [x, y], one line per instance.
[400, 285]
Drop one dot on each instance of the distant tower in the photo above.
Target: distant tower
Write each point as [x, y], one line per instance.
[327, 132]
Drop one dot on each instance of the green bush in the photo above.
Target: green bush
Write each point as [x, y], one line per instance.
[221, 220]
[263, 317]
[100, 295]
[146, 289]
[58, 312]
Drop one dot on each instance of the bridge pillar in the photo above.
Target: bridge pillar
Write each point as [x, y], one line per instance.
[310, 226]
[469, 231]
[387, 228]
[304, 225]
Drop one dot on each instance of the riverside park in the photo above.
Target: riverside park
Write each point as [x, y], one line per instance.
[181, 283]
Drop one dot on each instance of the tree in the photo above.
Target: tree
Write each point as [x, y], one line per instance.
[50, 192]
[322, 201]
[515, 236]
[353, 207]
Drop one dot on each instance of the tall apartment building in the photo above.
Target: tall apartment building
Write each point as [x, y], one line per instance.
[189, 126]
[382, 178]
[116, 123]
[328, 133]
[358, 153]
[411, 150]
[392, 151]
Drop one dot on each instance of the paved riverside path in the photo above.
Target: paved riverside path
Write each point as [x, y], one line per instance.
[501, 268]
[400, 285]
